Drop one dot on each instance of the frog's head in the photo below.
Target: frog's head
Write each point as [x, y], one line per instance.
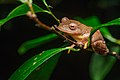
[69, 26]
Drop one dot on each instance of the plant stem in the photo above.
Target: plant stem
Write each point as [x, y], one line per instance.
[50, 12]
[30, 6]
[55, 18]
[42, 25]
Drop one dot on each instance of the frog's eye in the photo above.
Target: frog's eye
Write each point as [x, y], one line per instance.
[72, 26]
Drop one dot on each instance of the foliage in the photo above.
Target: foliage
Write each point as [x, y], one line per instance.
[100, 65]
[19, 11]
[35, 42]
[37, 64]
[34, 62]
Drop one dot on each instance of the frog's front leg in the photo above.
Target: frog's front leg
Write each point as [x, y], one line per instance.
[98, 43]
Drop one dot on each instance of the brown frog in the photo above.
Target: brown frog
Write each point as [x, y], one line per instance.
[80, 33]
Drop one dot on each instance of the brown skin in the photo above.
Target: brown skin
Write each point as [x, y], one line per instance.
[80, 33]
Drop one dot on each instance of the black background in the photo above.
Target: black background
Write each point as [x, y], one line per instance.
[70, 67]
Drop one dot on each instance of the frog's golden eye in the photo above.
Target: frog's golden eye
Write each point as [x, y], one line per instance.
[72, 26]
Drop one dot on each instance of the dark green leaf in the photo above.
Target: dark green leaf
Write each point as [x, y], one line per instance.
[100, 65]
[19, 11]
[45, 3]
[44, 71]
[24, 71]
[35, 42]
[94, 22]
[111, 23]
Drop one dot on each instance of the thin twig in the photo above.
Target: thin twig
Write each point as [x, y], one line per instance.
[42, 25]
[31, 14]
[34, 18]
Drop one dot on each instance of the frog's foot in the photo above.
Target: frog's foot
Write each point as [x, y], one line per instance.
[73, 45]
[53, 27]
[85, 45]
[72, 48]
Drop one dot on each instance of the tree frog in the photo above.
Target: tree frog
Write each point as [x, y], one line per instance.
[80, 33]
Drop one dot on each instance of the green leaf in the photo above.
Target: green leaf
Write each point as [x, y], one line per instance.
[100, 65]
[94, 22]
[19, 11]
[45, 3]
[111, 23]
[44, 71]
[35, 42]
[24, 71]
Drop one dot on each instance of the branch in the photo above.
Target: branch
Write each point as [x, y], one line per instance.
[33, 16]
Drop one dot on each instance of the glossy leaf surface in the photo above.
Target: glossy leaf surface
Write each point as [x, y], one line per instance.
[110, 23]
[100, 65]
[94, 22]
[35, 42]
[19, 11]
[44, 71]
[29, 66]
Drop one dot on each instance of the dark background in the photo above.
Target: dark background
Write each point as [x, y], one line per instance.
[70, 67]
